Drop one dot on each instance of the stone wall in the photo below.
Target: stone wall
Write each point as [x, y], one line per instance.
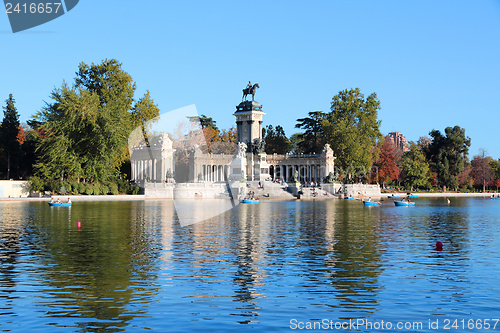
[361, 190]
[200, 190]
[13, 188]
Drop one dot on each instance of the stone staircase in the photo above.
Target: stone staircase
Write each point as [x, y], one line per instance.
[270, 190]
[276, 190]
[309, 192]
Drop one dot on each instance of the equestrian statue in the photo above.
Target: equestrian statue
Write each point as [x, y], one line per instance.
[250, 90]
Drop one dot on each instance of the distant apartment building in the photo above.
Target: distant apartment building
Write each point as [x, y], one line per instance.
[398, 140]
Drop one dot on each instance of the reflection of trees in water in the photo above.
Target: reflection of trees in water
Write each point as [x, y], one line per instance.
[12, 219]
[247, 279]
[341, 254]
[450, 225]
[97, 272]
[208, 256]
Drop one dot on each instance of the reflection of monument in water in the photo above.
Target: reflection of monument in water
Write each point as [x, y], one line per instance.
[209, 174]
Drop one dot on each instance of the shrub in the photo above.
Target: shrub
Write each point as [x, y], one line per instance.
[74, 186]
[53, 186]
[79, 188]
[103, 189]
[67, 187]
[135, 190]
[88, 189]
[36, 183]
[96, 188]
[124, 186]
[113, 189]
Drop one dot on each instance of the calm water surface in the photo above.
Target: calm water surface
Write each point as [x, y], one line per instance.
[132, 267]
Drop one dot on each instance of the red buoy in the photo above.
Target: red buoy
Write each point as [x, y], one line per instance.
[439, 246]
[78, 224]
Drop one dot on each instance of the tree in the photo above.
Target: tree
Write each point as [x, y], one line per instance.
[387, 163]
[415, 168]
[352, 129]
[448, 155]
[481, 171]
[227, 141]
[294, 143]
[86, 127]
[495, 167]
[312, 140]
[208, 122]
[28, 157]
[275, 140]
[143, 111]
[9, 134]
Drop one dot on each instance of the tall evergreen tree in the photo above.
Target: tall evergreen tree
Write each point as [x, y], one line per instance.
[276, 140]
[312, 140]
[448, 155]
[9, 132]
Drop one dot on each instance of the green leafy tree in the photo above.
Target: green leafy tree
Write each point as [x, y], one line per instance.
[495, 167]
[352, 130]
[275, 140]
[448, 155]
[9, 132]
[143, 111]
[415, 168]
[86, 127]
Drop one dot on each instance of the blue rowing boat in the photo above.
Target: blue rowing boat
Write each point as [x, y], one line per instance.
[250, 201]
[371, 203]
[349, 198]
[65, 204]
[404, 203]
[393, 197]
[413, 196]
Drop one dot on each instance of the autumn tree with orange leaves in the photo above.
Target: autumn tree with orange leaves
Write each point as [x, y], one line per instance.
[387, 162]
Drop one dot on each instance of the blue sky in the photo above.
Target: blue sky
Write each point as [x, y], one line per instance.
[432, 64]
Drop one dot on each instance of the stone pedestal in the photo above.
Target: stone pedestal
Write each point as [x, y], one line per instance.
[261, 168]
[295, 189]
[237, 169]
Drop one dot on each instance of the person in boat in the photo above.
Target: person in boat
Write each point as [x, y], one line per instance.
[69, 200]
[51, 200]
[369, 199]
[59, 201]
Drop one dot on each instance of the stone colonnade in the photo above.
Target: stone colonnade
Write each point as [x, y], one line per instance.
[152, 170]
[213, 173]
[306, 172]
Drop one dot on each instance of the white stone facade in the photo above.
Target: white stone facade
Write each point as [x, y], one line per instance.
[152, 163]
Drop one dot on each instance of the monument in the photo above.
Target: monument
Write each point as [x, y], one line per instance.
[229, 174]
[252, 163]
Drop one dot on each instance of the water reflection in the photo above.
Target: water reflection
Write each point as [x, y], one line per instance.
[132, 266]
[105, 272]
[11, 234]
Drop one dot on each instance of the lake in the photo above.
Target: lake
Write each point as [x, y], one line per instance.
[278, 265]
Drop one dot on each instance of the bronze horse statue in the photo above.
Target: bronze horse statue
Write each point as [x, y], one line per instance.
[250, 91]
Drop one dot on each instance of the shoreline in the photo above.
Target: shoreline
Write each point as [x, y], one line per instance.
[141, 197]
[440, 195]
